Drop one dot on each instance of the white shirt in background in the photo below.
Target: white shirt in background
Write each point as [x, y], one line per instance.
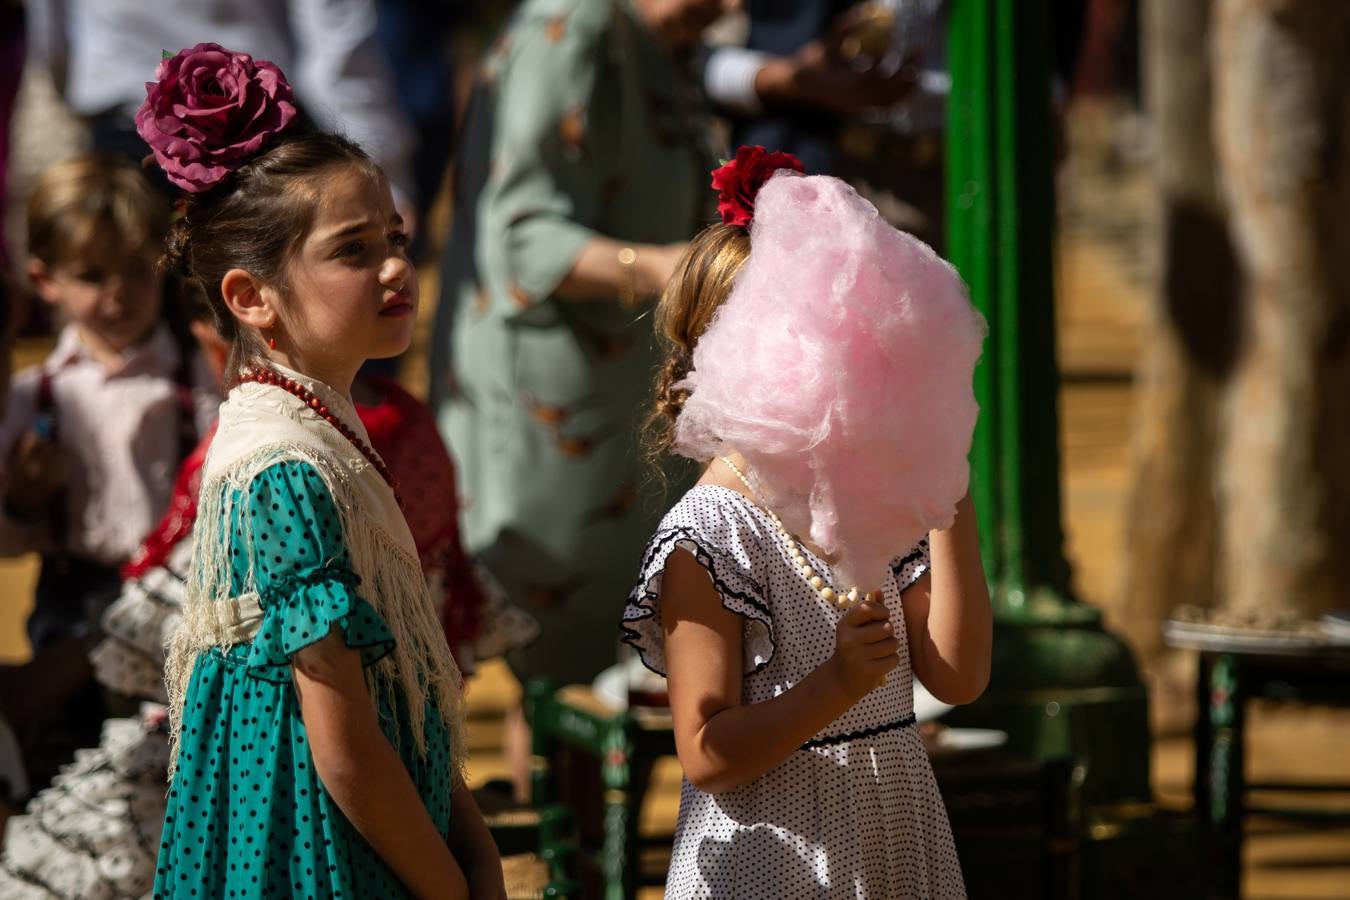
[102, 52]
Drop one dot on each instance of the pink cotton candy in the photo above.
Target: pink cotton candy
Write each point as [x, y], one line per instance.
[840, 367]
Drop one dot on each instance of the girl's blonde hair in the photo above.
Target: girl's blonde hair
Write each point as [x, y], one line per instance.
[702, 281]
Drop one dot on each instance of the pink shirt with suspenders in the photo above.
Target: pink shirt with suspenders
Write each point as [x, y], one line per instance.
[123, 431]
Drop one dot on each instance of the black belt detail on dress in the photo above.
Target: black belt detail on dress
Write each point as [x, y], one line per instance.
[865, 733]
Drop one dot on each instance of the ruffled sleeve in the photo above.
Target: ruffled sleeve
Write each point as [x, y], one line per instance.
[912, 566]
[304, 576]
[721, 538]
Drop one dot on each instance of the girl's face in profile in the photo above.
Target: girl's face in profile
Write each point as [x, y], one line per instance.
[353, 289]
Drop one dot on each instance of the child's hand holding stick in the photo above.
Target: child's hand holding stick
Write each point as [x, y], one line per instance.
[865, 648]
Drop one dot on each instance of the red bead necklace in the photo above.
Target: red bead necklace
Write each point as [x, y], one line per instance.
[311, 399]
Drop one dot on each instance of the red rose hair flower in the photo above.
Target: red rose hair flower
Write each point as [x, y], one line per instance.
[209, 110]
[738, 181]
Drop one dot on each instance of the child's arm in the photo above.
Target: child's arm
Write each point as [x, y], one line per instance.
[722, 743]
[365, 776]
[474, 847]
[947, 614]
[598, 273]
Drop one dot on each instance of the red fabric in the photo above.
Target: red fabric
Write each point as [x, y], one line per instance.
[403, 432]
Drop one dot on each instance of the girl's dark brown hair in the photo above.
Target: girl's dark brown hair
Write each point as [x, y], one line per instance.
[702, 281]
[255, 219]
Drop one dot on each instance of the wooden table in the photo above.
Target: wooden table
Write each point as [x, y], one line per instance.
[1234, 670]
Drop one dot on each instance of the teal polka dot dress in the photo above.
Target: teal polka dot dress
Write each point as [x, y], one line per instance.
[247, 815]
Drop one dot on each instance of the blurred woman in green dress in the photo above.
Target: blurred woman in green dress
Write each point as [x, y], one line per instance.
[583, 172]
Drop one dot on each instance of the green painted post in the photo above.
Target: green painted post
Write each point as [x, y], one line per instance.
[970, 220]
[1000, 230]
[1058, 677]
[539, 693]
[1015, 255]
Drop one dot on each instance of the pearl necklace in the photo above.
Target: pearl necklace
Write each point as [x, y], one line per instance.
[313, 401]
[827, 593]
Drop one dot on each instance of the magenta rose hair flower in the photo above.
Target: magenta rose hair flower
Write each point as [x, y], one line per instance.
[209, 110]
[739, 180]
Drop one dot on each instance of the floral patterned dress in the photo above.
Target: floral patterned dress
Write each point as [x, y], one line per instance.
[582, 125]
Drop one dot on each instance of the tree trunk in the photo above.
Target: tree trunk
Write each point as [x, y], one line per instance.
[1282, 131]
[1171, 526]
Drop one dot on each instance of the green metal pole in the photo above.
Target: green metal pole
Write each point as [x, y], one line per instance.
[1000, 232]
[1015, 251]
[1060, 683]
[970, 218]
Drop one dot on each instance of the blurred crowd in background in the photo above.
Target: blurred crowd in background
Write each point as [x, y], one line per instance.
[551, 159]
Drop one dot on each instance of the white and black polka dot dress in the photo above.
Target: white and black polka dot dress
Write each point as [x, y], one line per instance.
[856, 812]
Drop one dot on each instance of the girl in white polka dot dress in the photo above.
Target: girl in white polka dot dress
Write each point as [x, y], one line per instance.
[805, 776]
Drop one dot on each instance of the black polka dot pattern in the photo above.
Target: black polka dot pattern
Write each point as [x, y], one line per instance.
[247, 815]
[859, 818]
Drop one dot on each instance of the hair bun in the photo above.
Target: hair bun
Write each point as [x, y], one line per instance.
[177, 258]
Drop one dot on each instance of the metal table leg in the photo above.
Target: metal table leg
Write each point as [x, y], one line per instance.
[1226, 714]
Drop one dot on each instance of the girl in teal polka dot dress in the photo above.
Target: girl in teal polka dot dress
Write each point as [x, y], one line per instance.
[315, 707]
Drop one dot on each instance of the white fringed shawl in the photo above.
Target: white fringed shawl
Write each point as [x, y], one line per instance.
[260, 426]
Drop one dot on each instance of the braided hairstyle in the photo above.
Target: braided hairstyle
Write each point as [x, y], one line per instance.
[255, 219]
[702, 281]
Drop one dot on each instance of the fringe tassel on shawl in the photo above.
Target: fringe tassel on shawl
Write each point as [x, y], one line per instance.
[420, 666]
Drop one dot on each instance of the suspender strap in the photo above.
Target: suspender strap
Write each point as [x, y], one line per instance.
[46, 404]
[46, 425]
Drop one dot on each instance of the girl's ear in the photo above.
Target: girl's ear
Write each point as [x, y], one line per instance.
[249, 300]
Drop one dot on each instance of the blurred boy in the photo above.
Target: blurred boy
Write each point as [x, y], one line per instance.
[92, 437]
